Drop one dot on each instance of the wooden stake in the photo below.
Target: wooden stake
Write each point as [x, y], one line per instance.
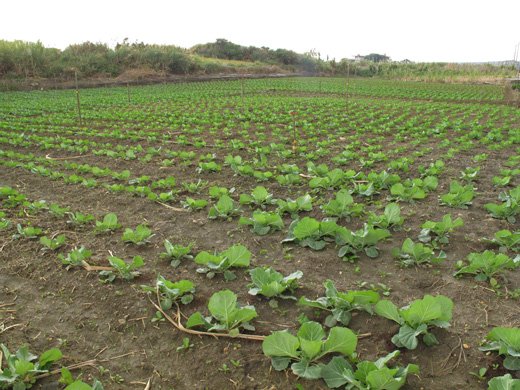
[242, 89]
[348, 81]
[293, 113]
[79, 108]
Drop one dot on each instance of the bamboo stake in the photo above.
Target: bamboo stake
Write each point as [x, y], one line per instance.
[348, 81]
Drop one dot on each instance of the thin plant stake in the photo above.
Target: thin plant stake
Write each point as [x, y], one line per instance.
[348, 81]
[77, 95]
[293, 113]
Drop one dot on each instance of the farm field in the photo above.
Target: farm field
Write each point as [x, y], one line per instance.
[125, 240]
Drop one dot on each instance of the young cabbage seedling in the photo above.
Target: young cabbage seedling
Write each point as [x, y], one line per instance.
[367, 375]
[109, 224]
[263, 222]
[21, 372]
[194, 205]
[269, 283]
[51, 243]
[507, 342]
[417, 318]
[225, 208]
[307, 347]
[126, 271]
[391, 219]
[141, 236]
[27, 232]
[170, 292]
[341, 304]
[506, 240]
[293, 207]
[66, 377]
[343, 206]
[75, 258]
[416, 254]
[176, 252]
[487, 264]
[311, 233]
[235, 256]
[259, 197]
[441, 230]
[229, 316]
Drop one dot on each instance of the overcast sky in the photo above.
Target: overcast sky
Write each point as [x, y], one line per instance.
[433, 31]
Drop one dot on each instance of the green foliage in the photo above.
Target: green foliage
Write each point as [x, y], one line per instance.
[78, 219]
[172, 292]
[126, 271]
[259, 197]
[57, 211]
[343, 206]
[263, 222]
[507, 240]
[66, 377]
[176, 252]
[383, 180]
[225, 208]
[27, 232]
[435, 169]
[217, 192]
[365, 239]
[470, 174]
[21, 371]
[167, 183]
[293, 207]
[307, 348]
[195, 188]
[407, 194]
[52, 243]
[235, 256]
[367, 375]
[459, 197]
[391, 219]
[10, 197]
[34, 207]
[4, 223]
[504, 382]
[509, 208]
[193, 204]
[331, 180]
[311, 233]
[364, 189]
[415, 254]
[109, 224]
[416, 318]
[487, 264]
[507, 342]
[141, 236]
[211, 166]
[341, 304]
[75, 258]
[441, 230]
[289, 179]
[269, 283]
[501, 181]
[229, 316]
